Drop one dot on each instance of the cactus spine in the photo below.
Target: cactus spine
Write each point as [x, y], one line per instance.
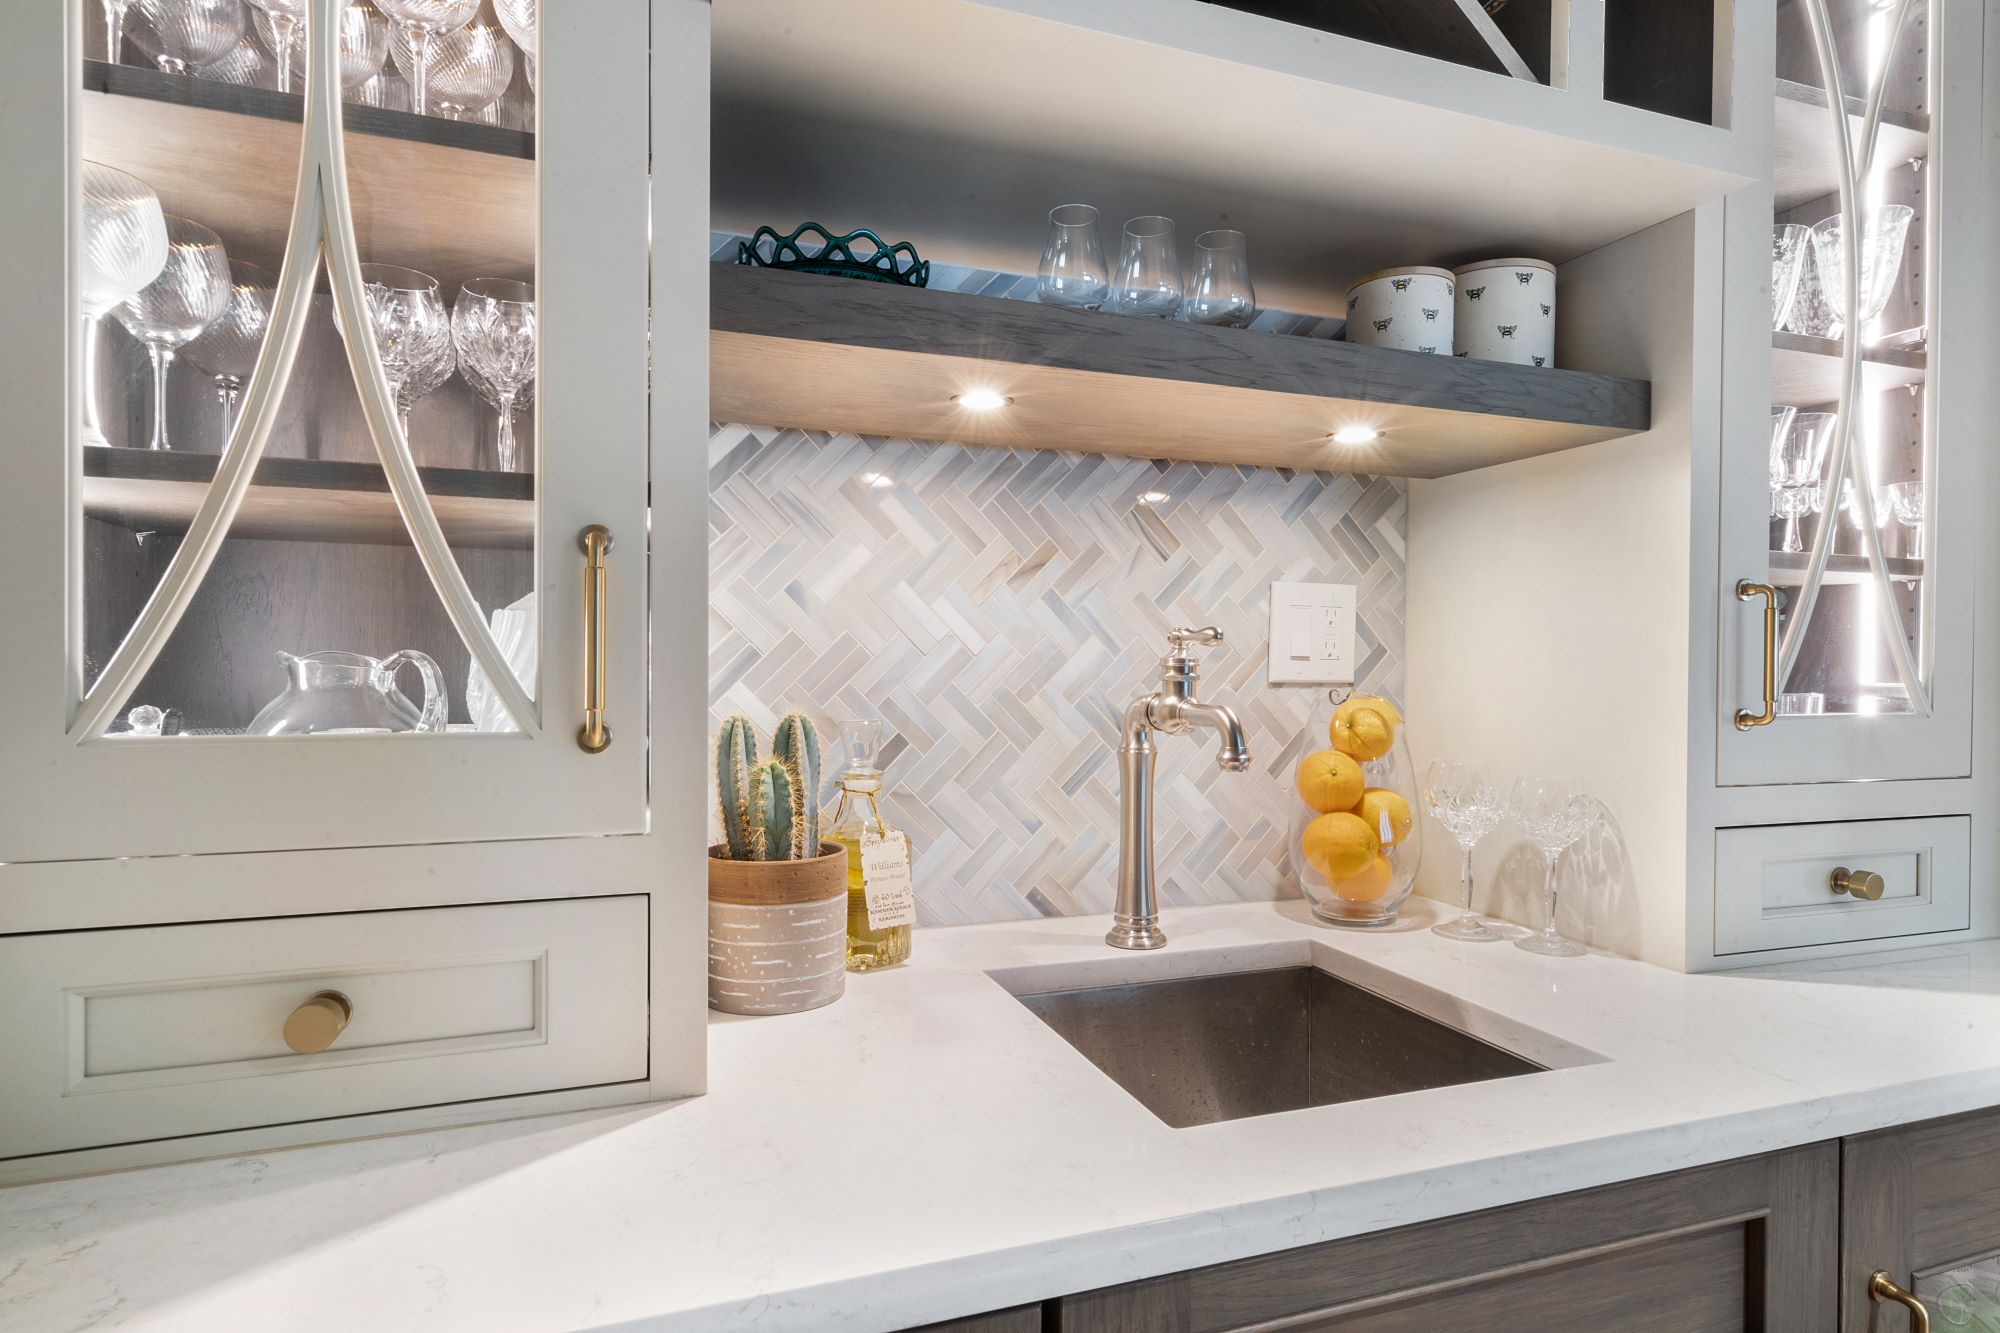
[735, 760]
[771, 813]
[796, 745]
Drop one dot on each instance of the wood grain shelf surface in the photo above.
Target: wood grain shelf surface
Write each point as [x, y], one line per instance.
[818, 353]
[297, 499]
[1806, 162]
[1805, 371]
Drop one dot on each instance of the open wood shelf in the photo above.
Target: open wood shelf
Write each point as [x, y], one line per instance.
[1806, 160]
[451, 199]
[1805, 371]
[1788, 568]
[789, 349]
[298, 499]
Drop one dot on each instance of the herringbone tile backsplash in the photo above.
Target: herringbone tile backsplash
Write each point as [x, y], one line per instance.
[999, 608]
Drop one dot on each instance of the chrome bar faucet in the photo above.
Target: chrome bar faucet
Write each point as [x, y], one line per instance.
[1173, 710]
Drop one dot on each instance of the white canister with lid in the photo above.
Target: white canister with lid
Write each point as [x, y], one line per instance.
[1507, 311]
[1409, 309]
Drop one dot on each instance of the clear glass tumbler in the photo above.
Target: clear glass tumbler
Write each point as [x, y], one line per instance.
[1147, 280]
[1073, 273]
[1221, 292]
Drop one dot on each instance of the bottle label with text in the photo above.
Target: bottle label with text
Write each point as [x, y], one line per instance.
[886, 881]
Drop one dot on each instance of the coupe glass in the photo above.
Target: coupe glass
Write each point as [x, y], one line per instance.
[278, 24]
[364, 42]
[182, 34]
[412, 332]
[1148, 278]
[465, 73]
[419, 23]
[1221, 292]
[493, 326]
[1883, 229]
[1906, 503]
[1796, 460]
[124, 248]
[1073, 273]
[518, 18]
[228, 348]
[1466, 800]
[1553, 812]
[1788, 253]
[189, 295]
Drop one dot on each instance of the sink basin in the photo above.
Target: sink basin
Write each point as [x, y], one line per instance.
[1196, 1050]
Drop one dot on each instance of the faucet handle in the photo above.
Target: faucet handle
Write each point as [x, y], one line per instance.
[1184, 635]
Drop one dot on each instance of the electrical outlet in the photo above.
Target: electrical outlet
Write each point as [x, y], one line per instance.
[1312, 633]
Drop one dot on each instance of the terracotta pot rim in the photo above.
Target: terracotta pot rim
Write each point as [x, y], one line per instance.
[717, 852]
[816, 879]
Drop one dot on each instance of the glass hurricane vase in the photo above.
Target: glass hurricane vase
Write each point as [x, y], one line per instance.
[1372, 897]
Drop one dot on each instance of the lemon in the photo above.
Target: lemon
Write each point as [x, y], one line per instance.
[1387, 813]
[1375, 702]
[1362, 733]
[1330, 780]
[1339, 845]
[1372, 883]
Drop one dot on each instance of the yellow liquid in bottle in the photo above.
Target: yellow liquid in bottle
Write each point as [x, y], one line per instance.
[867, 949]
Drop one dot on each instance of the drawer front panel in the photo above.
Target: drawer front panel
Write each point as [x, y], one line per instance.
[1773, 884]
[115, 1036]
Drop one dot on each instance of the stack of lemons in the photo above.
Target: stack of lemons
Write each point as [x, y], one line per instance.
[1356, 823]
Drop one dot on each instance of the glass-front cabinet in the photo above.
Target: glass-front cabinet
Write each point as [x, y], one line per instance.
[1850, 510]
[326, 424]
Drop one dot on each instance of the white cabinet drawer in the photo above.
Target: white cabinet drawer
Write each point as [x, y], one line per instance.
[114, 1036]
[1773, 885]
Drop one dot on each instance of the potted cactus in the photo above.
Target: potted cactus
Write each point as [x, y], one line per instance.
[777, 894]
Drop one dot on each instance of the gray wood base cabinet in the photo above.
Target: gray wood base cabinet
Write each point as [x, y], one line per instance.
[1783, 1243]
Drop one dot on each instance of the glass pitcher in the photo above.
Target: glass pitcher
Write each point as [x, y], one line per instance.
[335, 692]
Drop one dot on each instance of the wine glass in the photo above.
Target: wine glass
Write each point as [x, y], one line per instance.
[388, 90]
[114, 29]
[419, 23]
[278, 24]
[1221, 292]
[124, 248]
[465, 72]
[247, 65]
[228, 348]
[1147, 280]
[364, 42]
[1788, 253]
[518, 18]
[183, 34]
[412, 332]
[1554, 812]
[493, 326]
[1466, 800]
[1906, 502]
[431, 369]
[1882, 232]
[189, 295]
[1073, 273]
[1796, 460]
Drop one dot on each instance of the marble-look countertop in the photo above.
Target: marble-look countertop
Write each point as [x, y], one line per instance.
[927, 1148]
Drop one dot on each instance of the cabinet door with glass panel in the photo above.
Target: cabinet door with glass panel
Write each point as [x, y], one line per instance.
[1852, 506]
[326, 385]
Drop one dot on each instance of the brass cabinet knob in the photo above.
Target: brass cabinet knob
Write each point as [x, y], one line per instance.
[314, 1025]
[1856, 883]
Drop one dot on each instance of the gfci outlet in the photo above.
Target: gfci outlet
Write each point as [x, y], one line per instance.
[1312, 633]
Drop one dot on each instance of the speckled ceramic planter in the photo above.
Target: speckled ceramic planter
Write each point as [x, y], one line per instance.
[777, 933]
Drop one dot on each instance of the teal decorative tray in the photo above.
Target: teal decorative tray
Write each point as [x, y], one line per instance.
[835, 257]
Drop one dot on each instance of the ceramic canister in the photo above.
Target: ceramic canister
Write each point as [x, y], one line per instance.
[1507, 311]
[1409, 309]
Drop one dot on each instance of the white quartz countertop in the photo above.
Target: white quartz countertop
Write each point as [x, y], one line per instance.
[927, 1148]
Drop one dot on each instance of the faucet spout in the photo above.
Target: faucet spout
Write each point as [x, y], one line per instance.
[1234, 754]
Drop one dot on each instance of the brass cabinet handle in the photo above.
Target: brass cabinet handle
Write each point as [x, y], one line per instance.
[1882, 1287]
[594, 736]
[1747, 591]
[313, 1026]
[1857, 883]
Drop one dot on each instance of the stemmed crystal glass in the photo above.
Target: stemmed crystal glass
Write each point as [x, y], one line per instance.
[1906, 502]
[364, 42]
[1221, 292]
[419, 23]
[518, 18]
[181, 35]
[465, 71]
[278, 24]
[1553, 812]
[412, 332]
[189, 295]
[228, 348]
[1882, 233]
[1796, 460]
[248, 65]
[114, 29]
[1147, 280]
[124, 248]
[1073, 272]
[1788, 254]
[493, 326]
[1466, 800]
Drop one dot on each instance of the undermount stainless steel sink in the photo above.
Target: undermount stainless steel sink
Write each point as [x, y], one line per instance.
[1196, 1050]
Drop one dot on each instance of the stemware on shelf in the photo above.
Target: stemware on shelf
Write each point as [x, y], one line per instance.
[181, 35]
[1781, 423]
[279, 24]
[227, 349]
[364, 43]
[1850, 514]
[189, 295]
[493, 327]
[1073, 273]
[1147, 280]
[1881, 258]
[1554, 812]
[419, 24]
[1788, 253]
[1906, 503]
[412, 331]
[1221, 292]
[248, 65]
[518, 18]
[1466, 800]
[1796, 460]
[114, 29]
[464, 72]
[124, 248]
[388, 90]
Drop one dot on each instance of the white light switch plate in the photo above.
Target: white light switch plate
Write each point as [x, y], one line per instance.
[1312, 633]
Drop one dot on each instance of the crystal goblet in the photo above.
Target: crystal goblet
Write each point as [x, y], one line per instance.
[181, 35]
[190, 294]
[465, 71]
[419, 24]
[1466, 800]
[493, 326]
[364, 42]
[1554, 812]
[228, 348]
[518, 18]
[412, 331]
[1882, 231]
[124, 247]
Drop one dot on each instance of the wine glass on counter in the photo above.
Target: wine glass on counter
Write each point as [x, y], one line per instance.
[190, 294]
[182, 35]
[227, 349]
[419, 24]
[464, 71]
[1073, 272]
[1554, 812]
[1465, 798]
[124, 248]
[1221, 292]
[493, 326]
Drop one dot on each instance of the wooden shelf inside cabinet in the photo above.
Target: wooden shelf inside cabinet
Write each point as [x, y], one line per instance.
[297, 499]
[789, 349]
[455, 200]
[1807, 162]
[1788, 569]
[1805, 371]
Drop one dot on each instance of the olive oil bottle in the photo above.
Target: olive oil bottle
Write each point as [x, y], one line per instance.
[880, 907]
